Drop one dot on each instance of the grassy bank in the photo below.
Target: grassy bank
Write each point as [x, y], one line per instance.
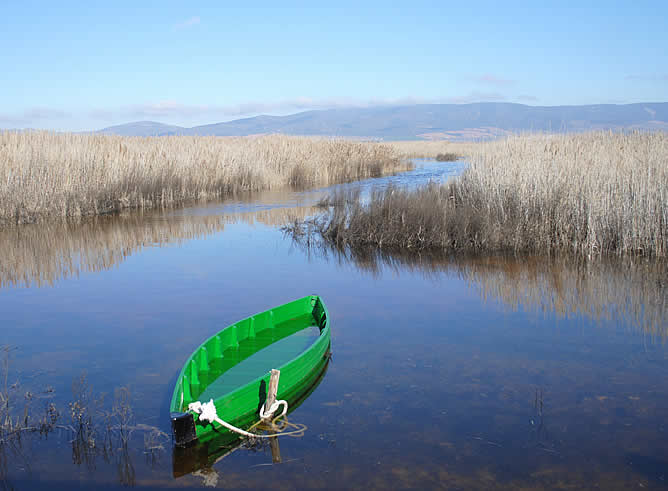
[596, 193]
[48, 175]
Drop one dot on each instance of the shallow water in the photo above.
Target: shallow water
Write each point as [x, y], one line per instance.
[446, 373]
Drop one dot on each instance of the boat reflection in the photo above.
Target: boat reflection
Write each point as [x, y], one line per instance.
[200, 458]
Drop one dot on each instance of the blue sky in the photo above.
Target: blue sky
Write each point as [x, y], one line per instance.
[80, 65]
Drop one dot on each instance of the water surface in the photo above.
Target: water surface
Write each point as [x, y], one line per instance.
[464, 373]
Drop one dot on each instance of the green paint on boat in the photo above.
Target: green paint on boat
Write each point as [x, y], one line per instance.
[233, 367]
[189, 459]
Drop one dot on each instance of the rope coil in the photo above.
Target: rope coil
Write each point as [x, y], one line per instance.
[273, 408]
[207, 413]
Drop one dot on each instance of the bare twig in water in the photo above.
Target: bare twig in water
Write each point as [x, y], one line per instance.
[122, 414]
[276, 463]
[95, 432]
[17, 410]
[486, 441]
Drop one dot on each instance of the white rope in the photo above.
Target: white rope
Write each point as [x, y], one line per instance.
[207, 413]
[273, 408]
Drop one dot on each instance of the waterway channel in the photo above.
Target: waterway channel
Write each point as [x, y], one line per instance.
[452, 373]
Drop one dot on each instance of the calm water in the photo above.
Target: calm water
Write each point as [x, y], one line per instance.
[488, 373]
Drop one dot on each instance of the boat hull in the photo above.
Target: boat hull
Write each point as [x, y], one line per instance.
[189, 459]
[240, 407]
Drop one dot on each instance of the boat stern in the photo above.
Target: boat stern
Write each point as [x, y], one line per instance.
[183, 428]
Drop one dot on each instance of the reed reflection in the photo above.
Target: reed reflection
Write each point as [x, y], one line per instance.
[632, 292]
[42, 255]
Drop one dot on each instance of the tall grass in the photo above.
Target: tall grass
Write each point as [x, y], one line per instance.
[446, 157]
[17, 407]
[588, 194]
[431, 149]
[47, 175]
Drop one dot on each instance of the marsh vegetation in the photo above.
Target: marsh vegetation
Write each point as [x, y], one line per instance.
[423, 149]
[19, 411]
[446, 157]
[519, 371]
[49, 175]
[588, 194]
[94, 426]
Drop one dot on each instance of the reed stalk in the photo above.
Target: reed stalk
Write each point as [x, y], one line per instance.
[589, 194]
[422, 149]
[46, 175]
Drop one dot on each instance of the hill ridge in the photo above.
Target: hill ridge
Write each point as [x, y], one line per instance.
[425, 121]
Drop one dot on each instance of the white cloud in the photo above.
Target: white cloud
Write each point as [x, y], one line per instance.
[45, 113]
[33, 115]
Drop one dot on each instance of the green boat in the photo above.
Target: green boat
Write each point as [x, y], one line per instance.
[192, 458]
[233, 367]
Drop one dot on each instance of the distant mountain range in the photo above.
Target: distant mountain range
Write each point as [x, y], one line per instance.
[426, 121]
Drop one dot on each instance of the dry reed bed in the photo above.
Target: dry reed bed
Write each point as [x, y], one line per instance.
[431, 149]
[46, 175]
[596, 193]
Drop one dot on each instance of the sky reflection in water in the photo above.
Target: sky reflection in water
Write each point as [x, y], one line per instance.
[468, 373]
